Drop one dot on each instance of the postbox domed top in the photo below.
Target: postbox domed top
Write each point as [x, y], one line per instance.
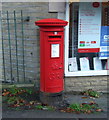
[51, 22]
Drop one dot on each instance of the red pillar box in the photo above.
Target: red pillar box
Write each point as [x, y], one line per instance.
[51, 55]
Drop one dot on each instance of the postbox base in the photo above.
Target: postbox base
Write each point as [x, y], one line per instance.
[53, 99]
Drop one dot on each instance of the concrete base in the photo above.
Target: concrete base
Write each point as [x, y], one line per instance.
[51, 98]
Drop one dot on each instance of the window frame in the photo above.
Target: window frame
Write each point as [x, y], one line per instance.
[66, 51]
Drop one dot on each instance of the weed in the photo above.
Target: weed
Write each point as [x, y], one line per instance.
[85, 108]
[14, 90]
[12, 100]
[15, 101]
[39, 107]
[91, 93]
[17, 108]
[76, 107]
[29, 91]
[50, 108]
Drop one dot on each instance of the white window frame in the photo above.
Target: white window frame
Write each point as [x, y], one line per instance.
[77, 73]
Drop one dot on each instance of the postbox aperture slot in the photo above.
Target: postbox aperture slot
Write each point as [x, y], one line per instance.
[51, 37]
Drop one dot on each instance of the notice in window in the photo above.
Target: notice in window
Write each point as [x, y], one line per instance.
[84, 64]
[54, 50]
[72, 64]
[89, 27]
[97, 63]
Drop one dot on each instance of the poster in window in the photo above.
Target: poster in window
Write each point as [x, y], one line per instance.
[104, 43]
[89, 27]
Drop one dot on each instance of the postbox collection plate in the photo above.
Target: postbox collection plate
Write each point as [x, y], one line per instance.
[55, 50]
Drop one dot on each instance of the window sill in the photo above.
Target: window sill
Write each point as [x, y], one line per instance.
[87, 73]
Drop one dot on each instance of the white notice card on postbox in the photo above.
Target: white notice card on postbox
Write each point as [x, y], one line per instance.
[54, 50]
[84, 64]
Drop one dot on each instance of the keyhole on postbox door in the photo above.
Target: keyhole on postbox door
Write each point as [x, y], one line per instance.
[60, 66]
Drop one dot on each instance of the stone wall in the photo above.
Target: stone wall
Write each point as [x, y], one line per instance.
[30, 66]
[98, 83]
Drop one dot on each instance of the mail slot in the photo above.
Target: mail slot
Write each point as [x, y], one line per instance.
[51, 54]
[55, 37]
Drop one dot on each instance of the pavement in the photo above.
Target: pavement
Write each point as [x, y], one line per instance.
[71, 98]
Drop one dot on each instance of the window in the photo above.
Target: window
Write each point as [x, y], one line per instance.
[88, 39]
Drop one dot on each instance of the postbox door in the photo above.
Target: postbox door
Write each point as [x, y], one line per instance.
[54, 62]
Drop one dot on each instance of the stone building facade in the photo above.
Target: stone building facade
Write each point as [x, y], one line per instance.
[28, 69]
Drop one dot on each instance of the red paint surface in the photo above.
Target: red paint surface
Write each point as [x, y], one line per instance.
[89, 50]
